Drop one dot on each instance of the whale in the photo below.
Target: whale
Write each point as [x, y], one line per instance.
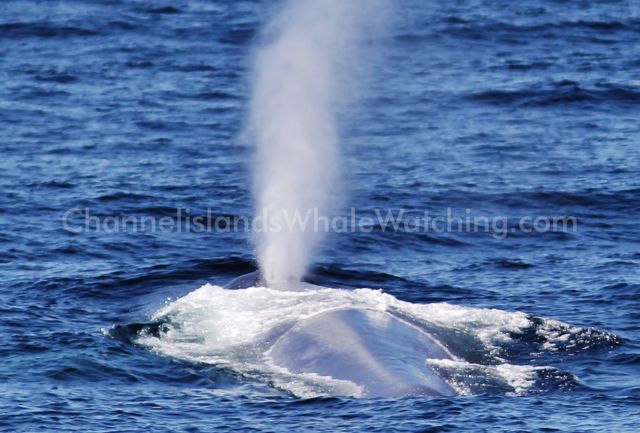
[382, 354]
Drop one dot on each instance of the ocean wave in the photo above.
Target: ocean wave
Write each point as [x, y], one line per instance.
[483, 29]
[122, 196]
[500, 28]
[43, 30]
[47, 29]
[142, 281]
[560, 93]
[56, 77]
[239, 35]
[166, 10]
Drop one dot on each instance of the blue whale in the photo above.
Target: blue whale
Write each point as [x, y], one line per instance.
[381, 353]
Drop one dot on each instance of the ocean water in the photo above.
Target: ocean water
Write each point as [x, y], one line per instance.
[507, 111]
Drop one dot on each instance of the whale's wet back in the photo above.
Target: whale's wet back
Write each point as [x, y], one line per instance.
[363, 343]
[378, 352]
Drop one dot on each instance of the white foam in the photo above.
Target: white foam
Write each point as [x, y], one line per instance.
[235, 328]
[234, 317]
[519, 378]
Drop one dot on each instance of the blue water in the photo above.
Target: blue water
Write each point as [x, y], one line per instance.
[508, 109]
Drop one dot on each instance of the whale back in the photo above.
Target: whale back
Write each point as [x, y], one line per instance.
[382, 354]
[252, 279]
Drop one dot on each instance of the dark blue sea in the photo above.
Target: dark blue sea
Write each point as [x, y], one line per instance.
[521, 114]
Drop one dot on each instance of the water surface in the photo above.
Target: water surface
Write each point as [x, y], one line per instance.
[509, 109]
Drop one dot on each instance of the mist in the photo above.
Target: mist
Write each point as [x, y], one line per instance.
[304, 73]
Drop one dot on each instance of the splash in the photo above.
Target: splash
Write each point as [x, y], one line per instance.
[303, 73]
[492, 349]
